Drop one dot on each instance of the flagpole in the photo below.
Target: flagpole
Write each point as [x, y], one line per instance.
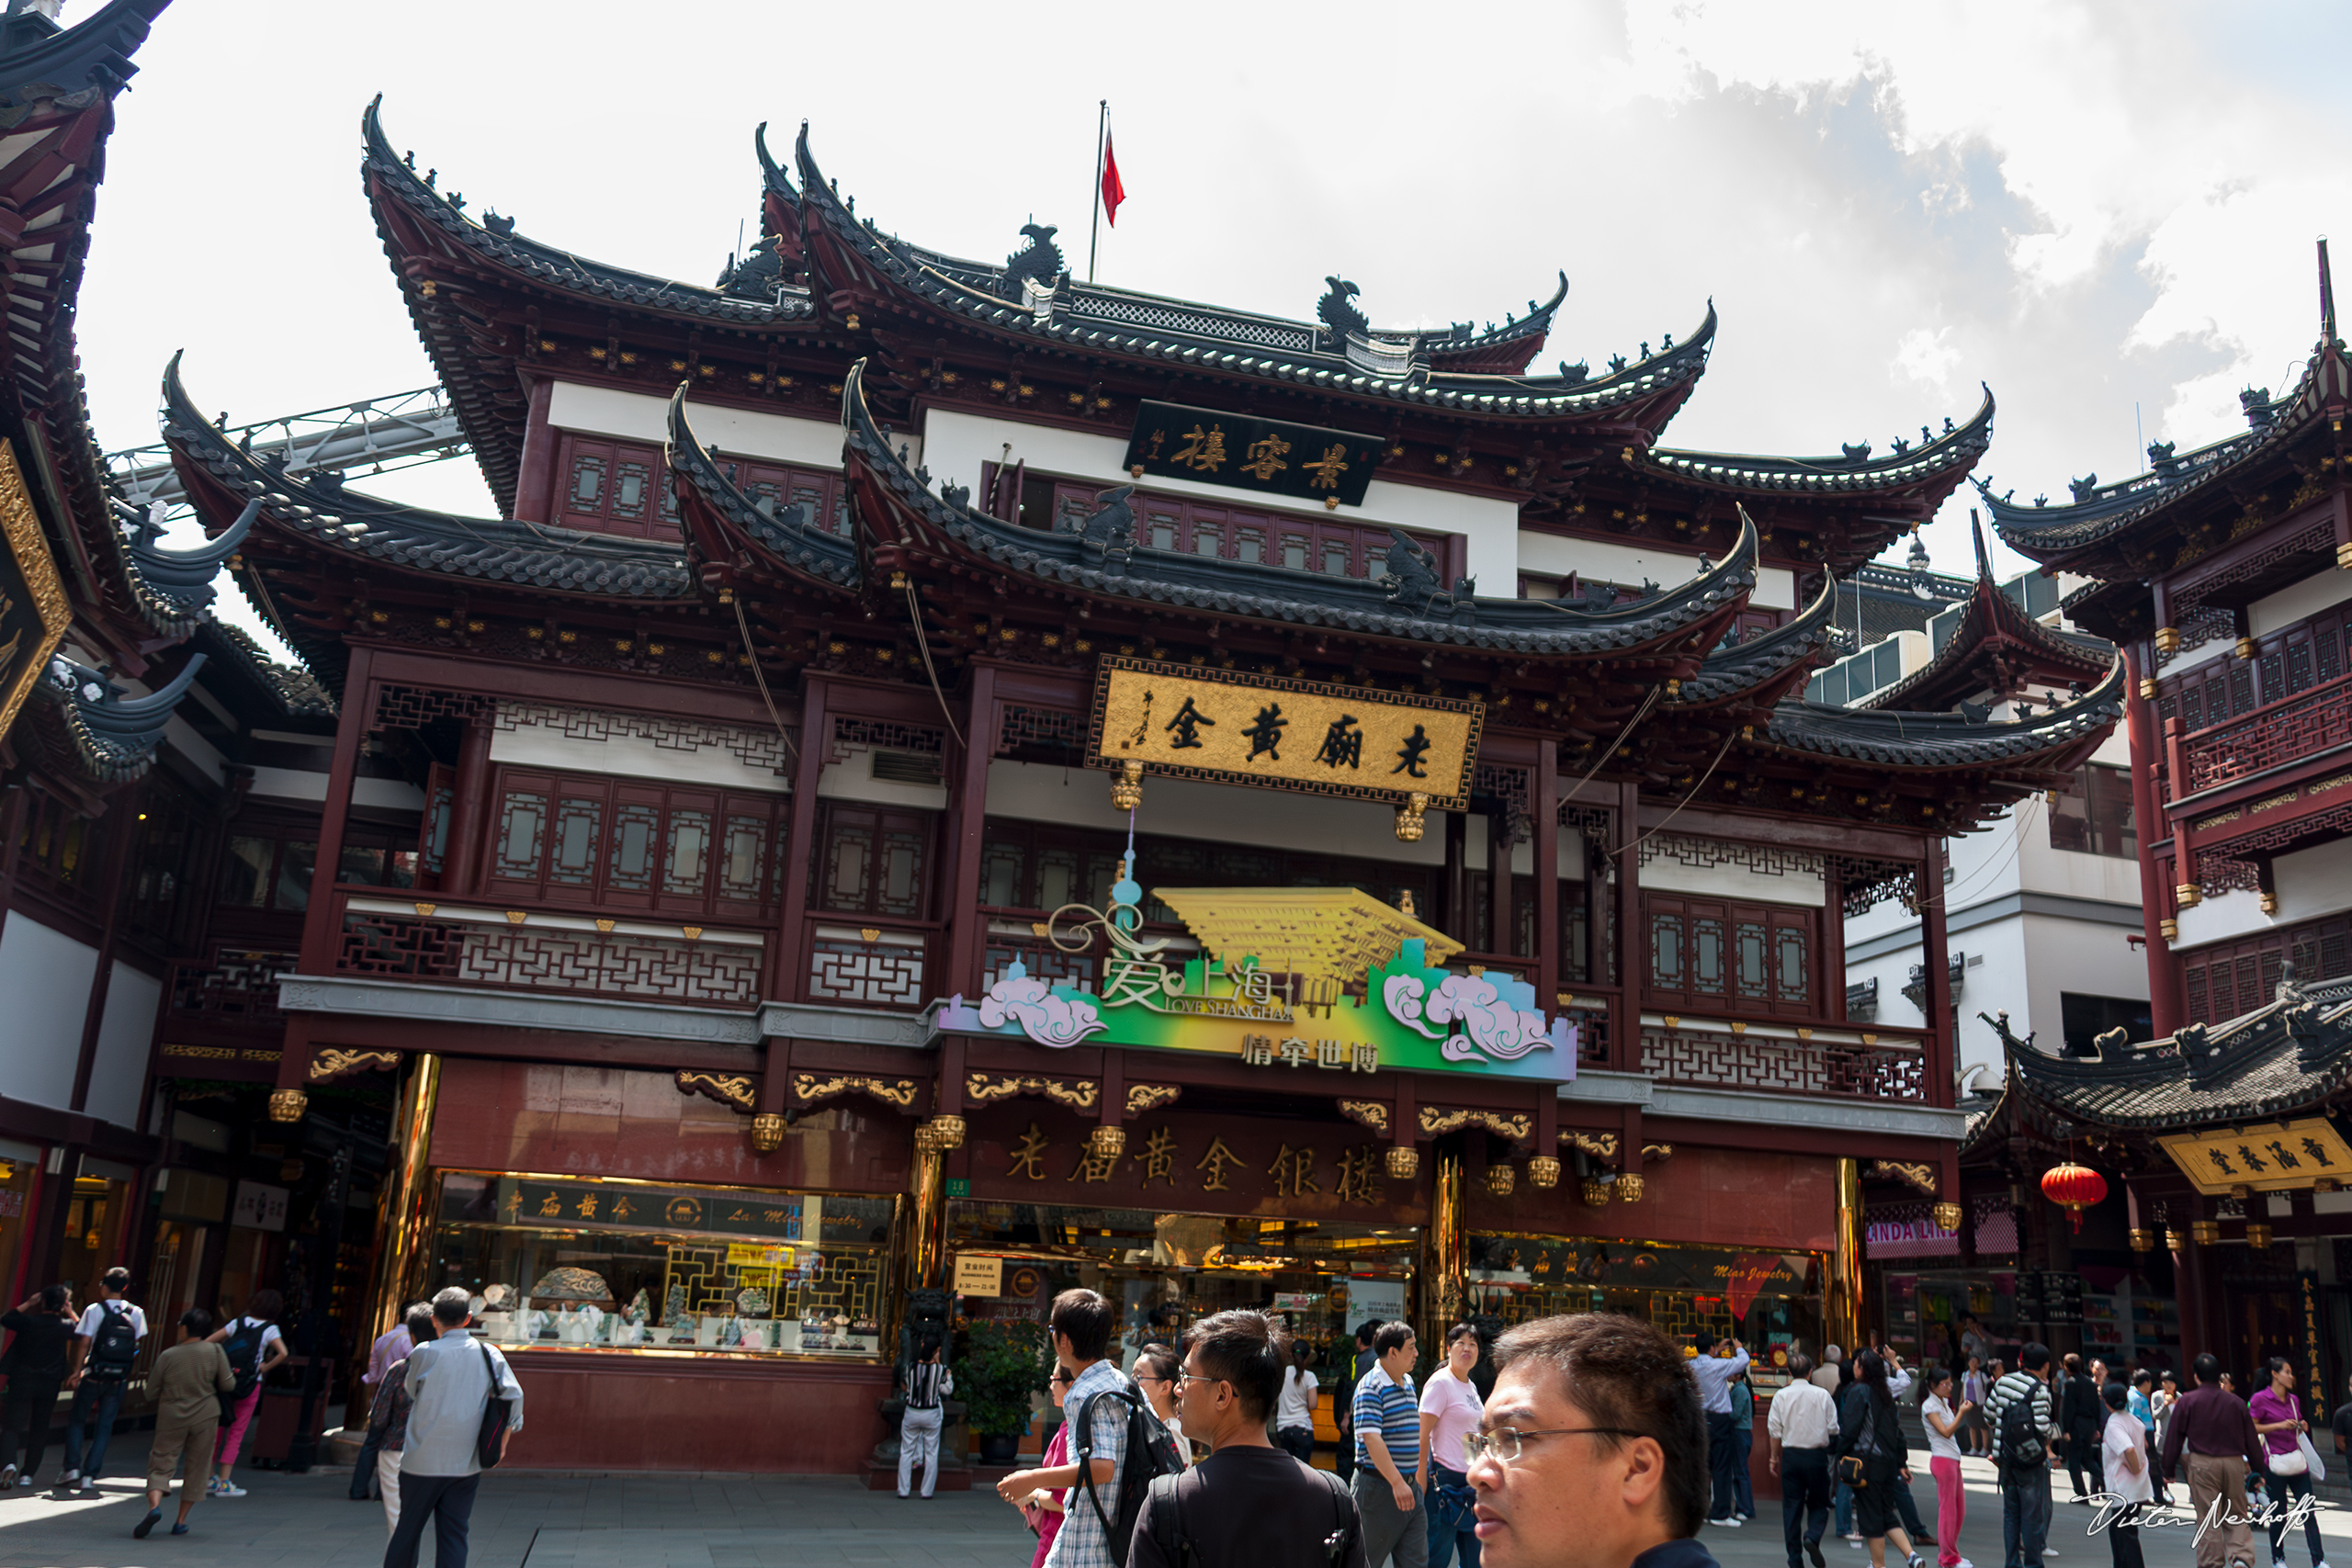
[1094, 217]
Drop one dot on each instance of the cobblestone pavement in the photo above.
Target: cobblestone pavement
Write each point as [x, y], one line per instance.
[542, 1520]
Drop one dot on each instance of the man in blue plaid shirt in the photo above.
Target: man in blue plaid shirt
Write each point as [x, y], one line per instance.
[1082, 1331]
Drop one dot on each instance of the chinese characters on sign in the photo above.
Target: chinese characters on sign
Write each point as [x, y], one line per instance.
[1158, 1157]
[33, 611]
[1233, 726]
[1262, 1051]
[2271, 1157]
[1262, 455]
[520, 1201]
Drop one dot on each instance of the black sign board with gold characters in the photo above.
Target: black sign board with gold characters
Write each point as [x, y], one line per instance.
[1231, 726]
[33, 612]
[1263, 455]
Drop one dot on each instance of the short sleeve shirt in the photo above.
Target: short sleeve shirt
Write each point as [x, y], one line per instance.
[1081, 1543]
[1386, 1406]
[95, 1313]
[2267, 1407]
[2124, 1434]
[1939, 1445]
[1457, 1409]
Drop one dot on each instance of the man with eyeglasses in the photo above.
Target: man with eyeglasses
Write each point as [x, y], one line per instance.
[1592, 1452]
[1389, 1435]
[1249, 1504]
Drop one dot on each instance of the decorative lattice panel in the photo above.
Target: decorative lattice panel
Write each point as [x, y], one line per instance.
[240, 986]
[849, 966]
[2296, 729]
[637, 968]
[1047, 728]
[413, 707]
[1788, 1067]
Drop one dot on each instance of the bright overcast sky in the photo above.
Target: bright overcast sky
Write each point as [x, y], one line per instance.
[2105, 212]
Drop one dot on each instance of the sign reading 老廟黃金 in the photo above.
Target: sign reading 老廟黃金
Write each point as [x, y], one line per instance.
[1300, 979]
[979, 1276]
[1232, 726]
[33, 612]
[1263, 455]
[2273, 1156]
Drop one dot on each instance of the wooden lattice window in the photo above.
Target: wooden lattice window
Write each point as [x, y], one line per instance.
[1745, 959]
[631, 845]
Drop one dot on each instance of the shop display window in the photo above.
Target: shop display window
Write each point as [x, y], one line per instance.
[573, 1263]
[1164, 1271]
[1769, 1301]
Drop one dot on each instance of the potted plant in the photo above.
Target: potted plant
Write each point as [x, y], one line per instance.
[1004, 1364]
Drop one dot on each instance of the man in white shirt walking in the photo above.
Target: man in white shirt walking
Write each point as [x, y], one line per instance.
[1803, 1422]
[451, 1383]
[1714, 1374]
[105, 1343]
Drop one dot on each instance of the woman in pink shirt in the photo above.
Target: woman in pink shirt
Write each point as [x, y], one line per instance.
[2278, 1417]
[1044, 1510]
[1450, 1410]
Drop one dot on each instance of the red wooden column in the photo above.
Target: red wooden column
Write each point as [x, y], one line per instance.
[534, 482]
[1625, 1011]
[1935, 951]
[1501, 939]
[791, 971]
[2165, 1010]
[1833, 939]
[1544, 801]
[320, 933]
[966, 929]
[462, 857]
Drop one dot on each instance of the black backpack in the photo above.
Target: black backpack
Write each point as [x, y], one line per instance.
[1150, 1454]
[115, 1345]
[243, 1346]
[2023, 1446]
[1176, 1544]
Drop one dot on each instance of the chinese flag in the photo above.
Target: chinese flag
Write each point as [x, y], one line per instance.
[1113, 192]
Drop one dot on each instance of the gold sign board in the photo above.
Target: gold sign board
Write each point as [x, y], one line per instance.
[2270, 1156]
[1230, 726]
[33, 612]
[976, 1275]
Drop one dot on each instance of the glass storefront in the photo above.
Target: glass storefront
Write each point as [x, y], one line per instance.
[1769, 1301]
[575, 1263]
[1163, 1271]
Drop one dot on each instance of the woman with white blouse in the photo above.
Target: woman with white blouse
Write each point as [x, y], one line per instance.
[1450, 1410]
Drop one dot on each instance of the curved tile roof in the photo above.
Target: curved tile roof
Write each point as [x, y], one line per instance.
[789, 535]
[1943, 740]
[2048, 533]
[553, 267]
[1794, 647]
[1231, 343]
[1275, 593]
[1956, 448]
[559, 560]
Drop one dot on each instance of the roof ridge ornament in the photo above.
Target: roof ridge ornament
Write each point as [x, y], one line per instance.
[1337, 309]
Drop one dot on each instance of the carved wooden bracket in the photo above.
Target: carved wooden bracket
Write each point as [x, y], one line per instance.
[734, 1090]
[1437, 1120]
[987, 1088]
[1371, 1113]
[1916, 1173]
[815, 1089]
[1603, 1145]
[334, 1061]
[1143, 1097]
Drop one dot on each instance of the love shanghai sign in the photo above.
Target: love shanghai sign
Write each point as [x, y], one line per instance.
[1231, 726]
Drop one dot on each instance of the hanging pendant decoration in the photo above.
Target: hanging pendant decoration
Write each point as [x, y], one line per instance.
[2073, 1187]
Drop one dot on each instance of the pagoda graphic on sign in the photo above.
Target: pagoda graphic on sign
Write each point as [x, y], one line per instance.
[1327, 978]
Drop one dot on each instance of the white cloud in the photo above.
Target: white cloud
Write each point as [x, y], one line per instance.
[1927, 356]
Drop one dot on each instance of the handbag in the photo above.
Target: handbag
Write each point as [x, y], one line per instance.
[490, 1443]
[2291, 1462]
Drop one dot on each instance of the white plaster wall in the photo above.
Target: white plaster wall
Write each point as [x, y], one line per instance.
[852, 778]
[2230, 915]
[2082, 956]
[1553, 556]
[119, 1070]
[2074, 874]
[2204, 652]
[956, 444]
[45, 975]
[301, 783]
[2313, 882]
[545, 746]
[636, 416]
[2299, 601]
[1667, 874]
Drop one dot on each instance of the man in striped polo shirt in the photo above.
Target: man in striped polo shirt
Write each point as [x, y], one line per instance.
[1388, 1439]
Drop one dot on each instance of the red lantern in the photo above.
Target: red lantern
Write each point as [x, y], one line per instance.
[2073, 1187]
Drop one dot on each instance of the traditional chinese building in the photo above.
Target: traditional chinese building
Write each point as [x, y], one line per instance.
[942, 781]
[2221, 572]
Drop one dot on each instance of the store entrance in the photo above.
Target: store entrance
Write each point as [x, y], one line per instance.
[1162, 1272]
